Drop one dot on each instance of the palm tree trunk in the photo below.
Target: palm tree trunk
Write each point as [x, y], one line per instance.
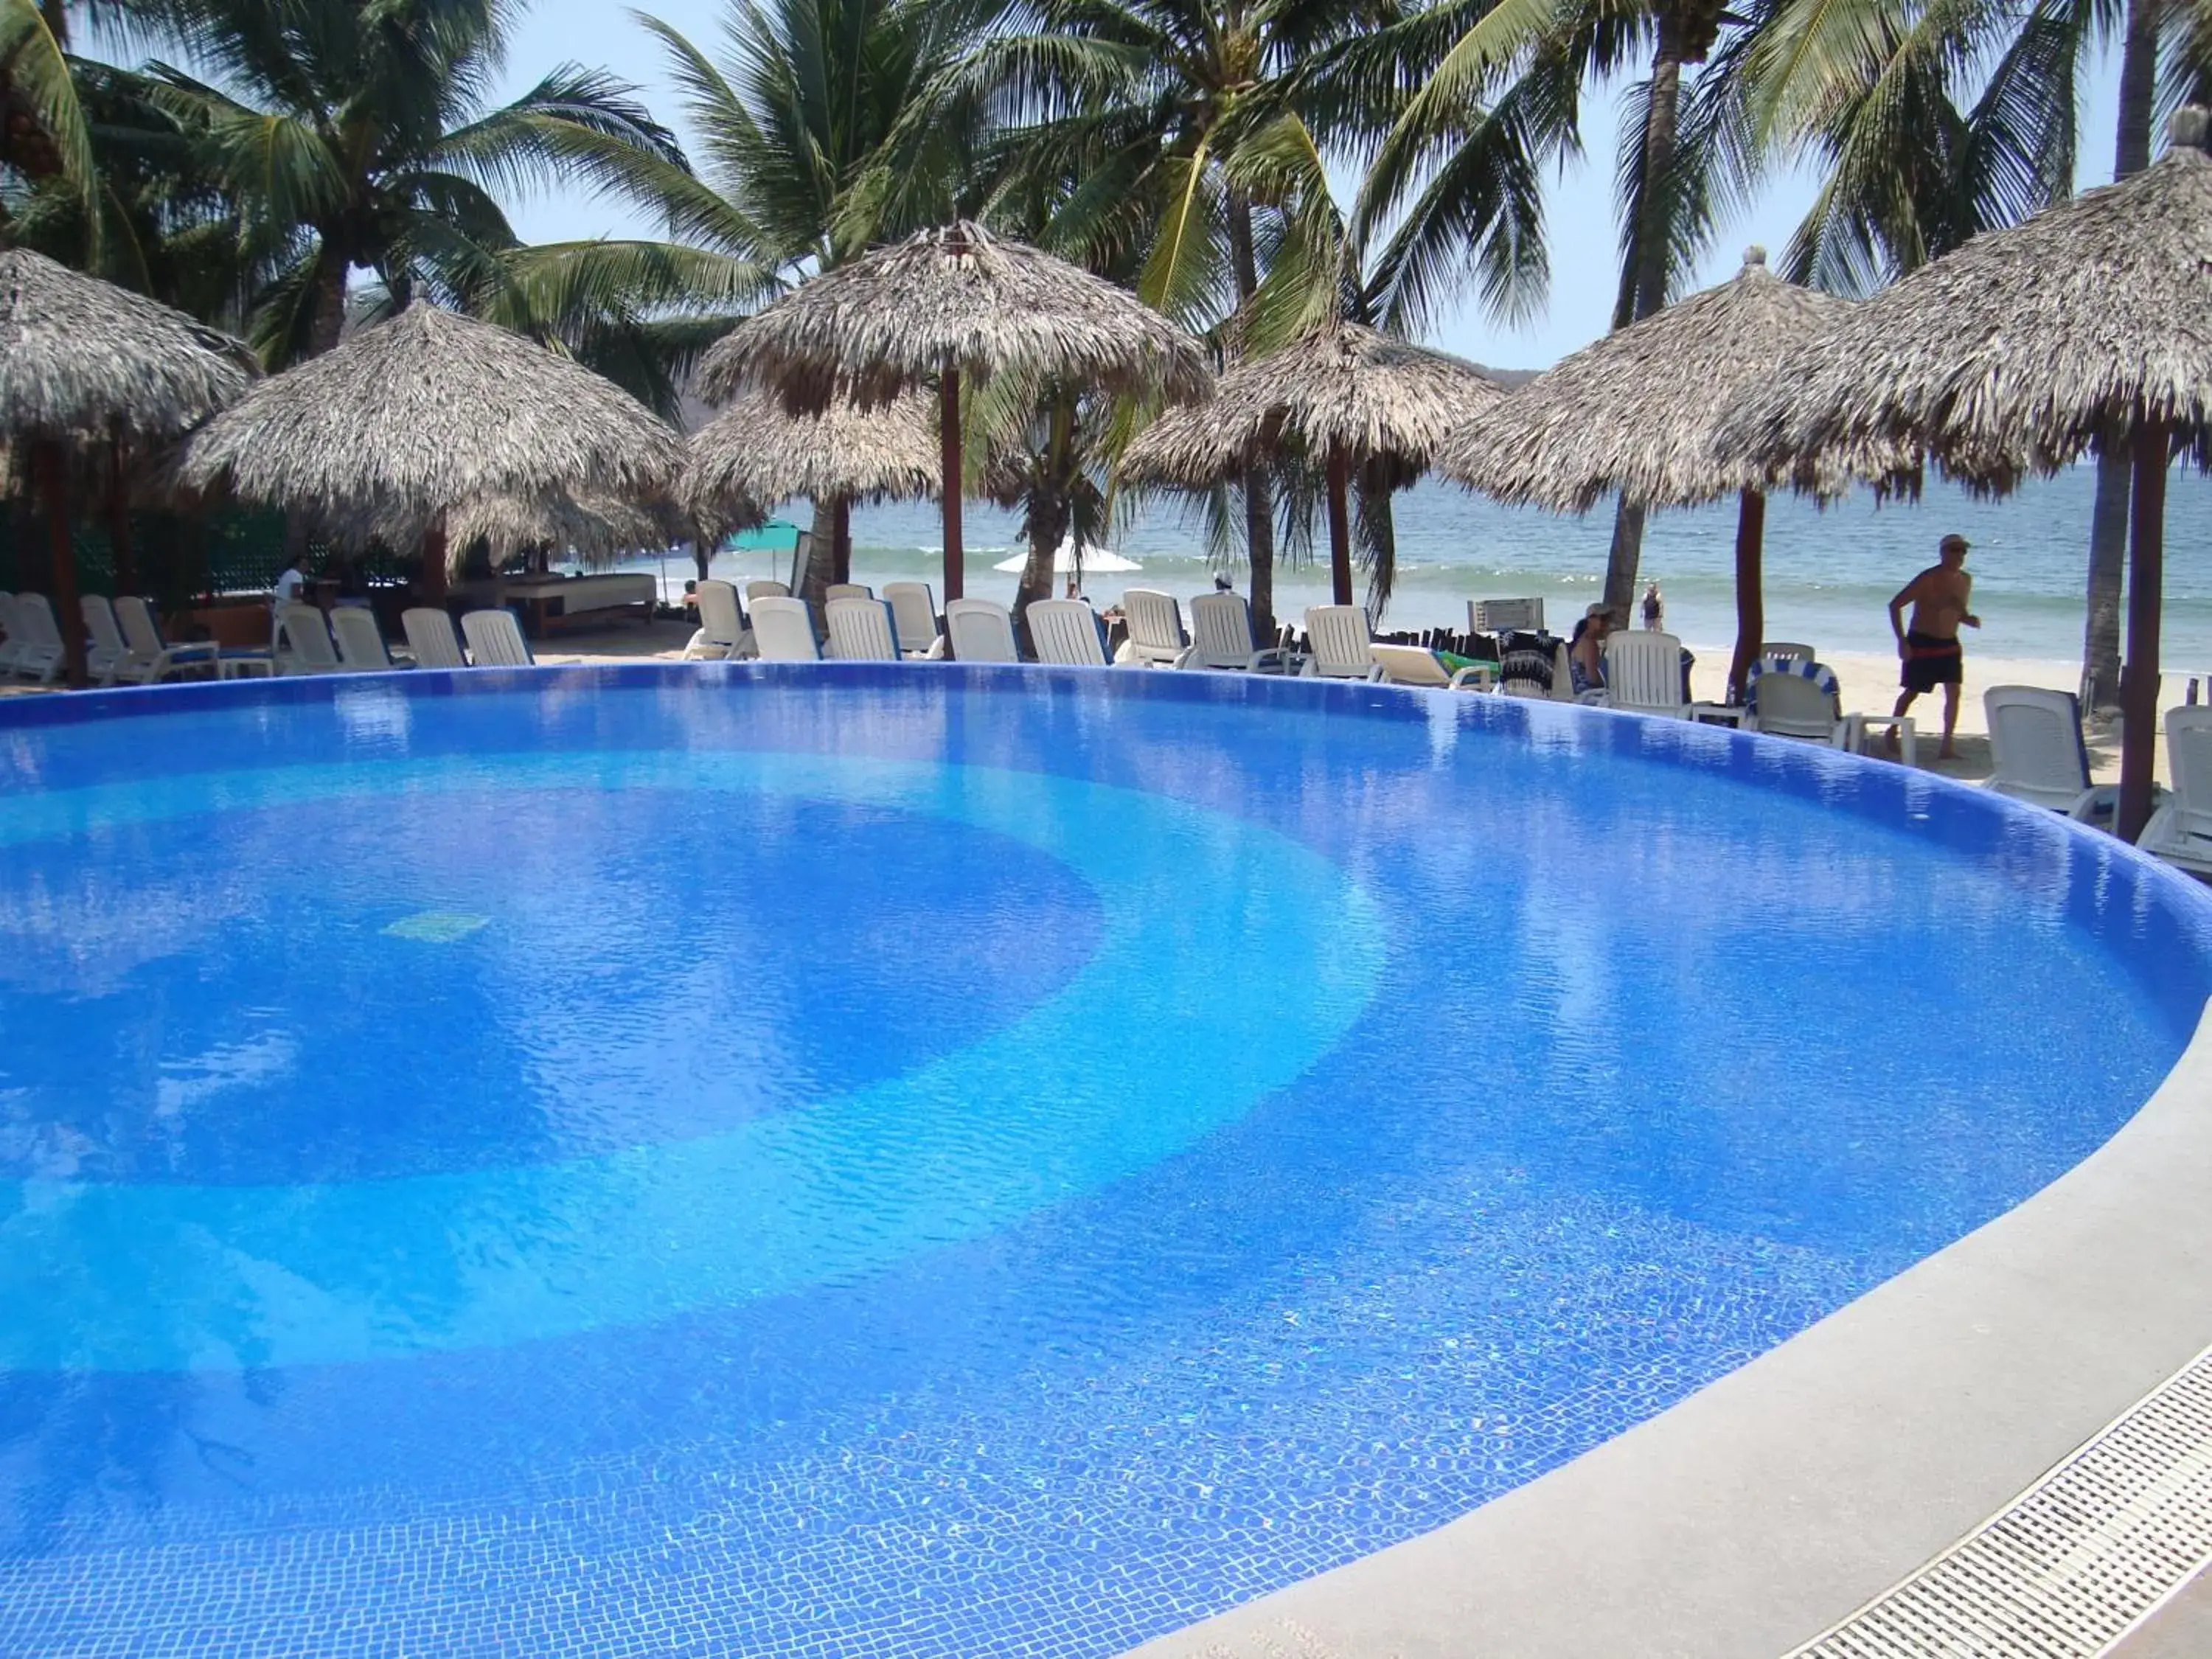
[948, 441]
[69, 615]
[1750, 599]
[1050, 507]
[2108, 520]
[1259, 495]
[1650, 264]
[328, 321]
[2139, 686]
[1340, 526]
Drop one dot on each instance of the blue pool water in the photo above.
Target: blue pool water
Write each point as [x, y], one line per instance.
[922, 1161]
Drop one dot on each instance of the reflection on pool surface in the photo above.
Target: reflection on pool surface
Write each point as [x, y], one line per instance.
[924, 1161]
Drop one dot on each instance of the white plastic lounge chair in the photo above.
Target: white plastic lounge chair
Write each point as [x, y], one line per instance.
[154, 659]
[1416, 665]
[2180, 830]
[431, 638]
[39, 654]
[980, 630]
[914, 607]
[1337, 638]
[862, 630]
[1221, 638]
[496, 640]
[1505, 616]
[1785, 649]
[1156, 634]
[303, 644]
[107, 658]
[845, 591]
[783, 629]
[1068, 632]
[1796, 697]
[764, 590]
[1644, 674]
[360, 641]
[722, 634]
[2035, 741]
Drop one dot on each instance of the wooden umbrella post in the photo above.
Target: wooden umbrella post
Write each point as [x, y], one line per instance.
[1750, 598]
[948, 439]
[119, 520]
[69, 614]
[433, 561]
[2139, 681]
[1340, 525]
[840, 539]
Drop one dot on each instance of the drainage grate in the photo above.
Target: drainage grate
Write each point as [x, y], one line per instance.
[2073, 1563]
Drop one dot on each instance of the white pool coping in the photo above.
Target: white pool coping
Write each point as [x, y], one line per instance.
[1771, 1504]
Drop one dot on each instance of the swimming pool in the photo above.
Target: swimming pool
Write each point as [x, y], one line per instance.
[921, 1160]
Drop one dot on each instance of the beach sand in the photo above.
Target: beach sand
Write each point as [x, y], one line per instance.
[1869, 686]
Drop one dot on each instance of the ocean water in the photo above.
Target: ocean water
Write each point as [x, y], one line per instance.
[1830, 572]
[898, 1161]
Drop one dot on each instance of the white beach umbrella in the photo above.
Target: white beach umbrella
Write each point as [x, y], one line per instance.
[1095, 562]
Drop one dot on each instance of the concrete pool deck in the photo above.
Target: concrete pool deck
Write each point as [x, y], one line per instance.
[1768, 1506]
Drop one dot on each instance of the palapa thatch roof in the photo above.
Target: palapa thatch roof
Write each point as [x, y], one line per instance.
[1343, 385]
[594, 527]
[2017, 348]
[758, 454]
[955, 297]
[1635, 412]
[418, 415]
[80, 357]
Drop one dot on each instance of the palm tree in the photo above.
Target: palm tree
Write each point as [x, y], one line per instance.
[354, 135]
[1493, 101]
[1911, 177]
[1147, 107]
[812, 146]
[43, 134]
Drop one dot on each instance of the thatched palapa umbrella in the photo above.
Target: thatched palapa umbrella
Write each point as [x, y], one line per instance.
[81, 362]
[758, 454]
[1635, 412]
[1344, 395]
[594, 527]
[944, 304]
[405, 422]
[2020, 348]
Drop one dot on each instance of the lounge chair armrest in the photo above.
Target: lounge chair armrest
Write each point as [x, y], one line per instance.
[1184, 657]
[1473, 674]
[2100, 800]
[1591, 699]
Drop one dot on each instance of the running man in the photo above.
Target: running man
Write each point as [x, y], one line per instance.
[1930, 648]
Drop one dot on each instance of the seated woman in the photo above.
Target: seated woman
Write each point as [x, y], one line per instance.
[1586, 649]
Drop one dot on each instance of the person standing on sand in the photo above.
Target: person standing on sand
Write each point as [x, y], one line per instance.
[1928, 647]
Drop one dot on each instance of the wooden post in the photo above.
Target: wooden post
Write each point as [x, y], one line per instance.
[119, 520]
[840, 539]
[2139, 680]
[1340, 525]
[52, 468]
[1750, 600]
[948, 441]
[433, 561]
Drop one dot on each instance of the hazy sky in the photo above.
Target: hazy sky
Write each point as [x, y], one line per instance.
[1580, 215]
